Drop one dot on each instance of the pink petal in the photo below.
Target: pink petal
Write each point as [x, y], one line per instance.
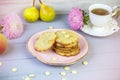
[12, 26]
[75, 18]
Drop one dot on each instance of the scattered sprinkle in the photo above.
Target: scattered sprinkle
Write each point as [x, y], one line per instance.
[47, 73]
[54, 58]
[67, 36]
[85, 63]
[14, 69]
[1, 63]
[67, 68]
[74, 72]
[31, 75]
[63, 79]
[63, 73]
[27, 78]
[51, 27]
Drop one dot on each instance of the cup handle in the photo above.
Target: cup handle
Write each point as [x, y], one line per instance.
[116, 11]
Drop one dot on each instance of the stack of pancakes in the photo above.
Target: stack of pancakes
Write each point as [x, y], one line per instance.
[66, 43]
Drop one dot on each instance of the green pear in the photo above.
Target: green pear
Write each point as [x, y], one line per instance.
[31, 14]
[47, 13]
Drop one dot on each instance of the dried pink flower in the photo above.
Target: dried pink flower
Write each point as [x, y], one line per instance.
[12, 26]
[75, 18]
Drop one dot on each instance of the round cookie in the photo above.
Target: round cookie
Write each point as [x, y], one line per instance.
[66, 46]
[65, 49]
[67, 54]
[45, 41]
[66, 37]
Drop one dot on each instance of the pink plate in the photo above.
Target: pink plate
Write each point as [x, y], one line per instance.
[50, 57]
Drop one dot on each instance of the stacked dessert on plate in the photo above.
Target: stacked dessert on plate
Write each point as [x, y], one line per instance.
[63, 42]
[66, 43]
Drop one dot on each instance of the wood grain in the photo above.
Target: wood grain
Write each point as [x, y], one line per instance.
[61, 6]
[8, 6]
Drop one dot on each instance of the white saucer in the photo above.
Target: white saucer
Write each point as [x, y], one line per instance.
[106, 30]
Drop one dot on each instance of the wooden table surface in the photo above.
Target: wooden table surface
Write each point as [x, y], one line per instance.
[103, 57]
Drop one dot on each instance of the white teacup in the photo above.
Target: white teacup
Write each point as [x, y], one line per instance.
[100, 14]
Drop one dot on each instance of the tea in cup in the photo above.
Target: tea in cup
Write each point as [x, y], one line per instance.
[100, 14]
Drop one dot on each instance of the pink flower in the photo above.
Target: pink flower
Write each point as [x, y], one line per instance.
[12, 26]
[75, 18]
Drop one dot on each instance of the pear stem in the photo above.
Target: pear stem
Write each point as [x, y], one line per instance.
[40, 1]
[1, 27]
[33, 3]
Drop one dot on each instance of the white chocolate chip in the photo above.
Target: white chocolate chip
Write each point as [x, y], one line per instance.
[67, 36]
[51, 27]
[67, 68]
[27, 78]
[63, 32]
[63, 79]
[14, 69]
[85, 63]
[47, 73]
[54, 58]
[1, 63]
[74, 72]
[31, 75]
[63, 73]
